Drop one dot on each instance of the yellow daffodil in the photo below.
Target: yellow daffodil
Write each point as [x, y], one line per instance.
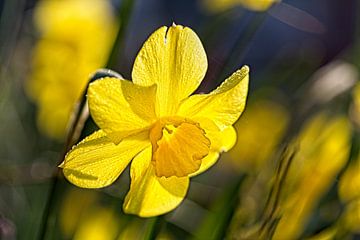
[349, 185]
[355, 109]
[260, 131]
[100, 223]
[76, 36]
[74, 205]
[253, 5]
[84, 216]
[349, 192]
[169, 135]
[324, 146]
[352, 216]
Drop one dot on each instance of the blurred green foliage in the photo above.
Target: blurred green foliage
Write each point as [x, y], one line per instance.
[294, 173]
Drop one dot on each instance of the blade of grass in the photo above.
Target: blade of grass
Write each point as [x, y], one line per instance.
[217, 222]
[270, 219]
[152, 229]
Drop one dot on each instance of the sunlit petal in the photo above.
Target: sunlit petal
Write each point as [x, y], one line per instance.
[224, 105]
[150, 195]
[97, 162]
[175, 60]
[121, 108]
[221, 141]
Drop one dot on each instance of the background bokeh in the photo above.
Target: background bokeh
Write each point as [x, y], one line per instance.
[294, 172]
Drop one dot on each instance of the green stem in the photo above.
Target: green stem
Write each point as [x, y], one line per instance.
[152, 228]
[216, 224]
[11, 19]
[48, 204]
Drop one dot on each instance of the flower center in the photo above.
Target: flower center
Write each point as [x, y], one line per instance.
[178, 145]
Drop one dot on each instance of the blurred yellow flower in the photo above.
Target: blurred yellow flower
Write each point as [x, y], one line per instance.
[349, 192]
[100, 224]
[76, 36]
[352, 216]
[82, 216]
[327, 234]
[253, 5]
[260, 131]
[349, 186]
[355, 110]
[73, 208]
[324, 145]
[133, 230]
[170, 135]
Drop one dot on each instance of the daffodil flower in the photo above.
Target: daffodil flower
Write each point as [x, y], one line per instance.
[65, 55]
[153, 121]
[253, 5]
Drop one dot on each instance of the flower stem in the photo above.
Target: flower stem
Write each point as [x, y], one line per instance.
[152, 228]
[48, 204]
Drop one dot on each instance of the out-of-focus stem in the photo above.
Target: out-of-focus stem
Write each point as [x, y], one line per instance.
[152, 229]
[11, 19]
[269, 218]
[124, 19]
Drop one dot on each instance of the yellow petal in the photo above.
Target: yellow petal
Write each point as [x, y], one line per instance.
[150, 195]
[175, 60]
[221, 141]
[226, 139]
[206, 163]
[97, 162]
[121, 108]
[224, 105]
